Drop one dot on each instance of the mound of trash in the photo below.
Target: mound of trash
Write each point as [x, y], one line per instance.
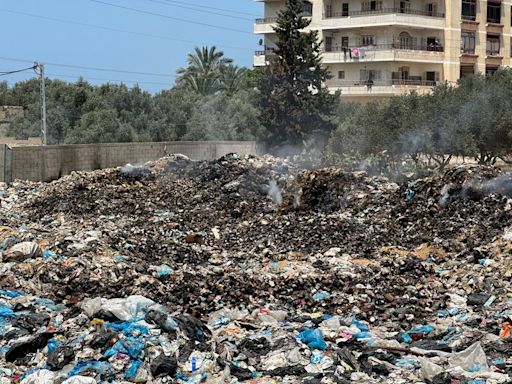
[253, 270]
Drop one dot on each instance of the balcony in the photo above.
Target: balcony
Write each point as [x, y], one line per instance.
[383, 11]
[386, 52]
[261, 57]
[383, 18]
[266, 24]
[382, 88]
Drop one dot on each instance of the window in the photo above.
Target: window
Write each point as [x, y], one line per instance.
[467, 42]
[467, 70]
[371, 5]
[431, 9]
[308, 8]
[493, 12]
[490, 70]
[341, 75]
[469, 9]
[405, 6]
[406, 41]
[431, 78]
[328, 43]
[367, 40]
[367, 74]
[493, 45]
[344, 41]
[344, 9]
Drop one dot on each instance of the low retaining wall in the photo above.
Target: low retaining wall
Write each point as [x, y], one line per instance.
[54, 161]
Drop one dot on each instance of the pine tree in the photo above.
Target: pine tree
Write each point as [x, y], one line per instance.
[296, 107]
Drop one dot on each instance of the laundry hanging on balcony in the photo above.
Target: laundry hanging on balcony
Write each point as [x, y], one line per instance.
[355, 52]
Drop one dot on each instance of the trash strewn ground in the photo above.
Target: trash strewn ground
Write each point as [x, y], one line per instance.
[253, 270]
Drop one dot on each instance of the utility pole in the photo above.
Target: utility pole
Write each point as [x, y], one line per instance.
[44, 131]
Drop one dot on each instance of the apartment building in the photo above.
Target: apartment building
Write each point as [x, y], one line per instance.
[377, 49]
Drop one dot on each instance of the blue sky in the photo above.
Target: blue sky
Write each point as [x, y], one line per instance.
[100, 44]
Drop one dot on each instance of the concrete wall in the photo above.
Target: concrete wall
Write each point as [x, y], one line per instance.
[54, 161]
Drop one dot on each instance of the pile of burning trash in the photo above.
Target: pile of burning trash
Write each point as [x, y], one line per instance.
[254, 270]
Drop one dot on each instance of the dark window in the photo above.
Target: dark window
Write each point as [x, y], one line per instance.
[366, 40]
[493, 45]
[344, 41]
[344, 9]
[469, 9]
[494, 13]
[308, 8]
[467, 43]
[431, 9]
[490, 70]
[341, 75]
[328, 43]
[467, 70]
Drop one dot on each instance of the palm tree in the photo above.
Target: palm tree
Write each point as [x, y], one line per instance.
[231, 78]
[203, 73]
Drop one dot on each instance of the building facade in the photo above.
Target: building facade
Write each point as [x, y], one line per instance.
[377, 49]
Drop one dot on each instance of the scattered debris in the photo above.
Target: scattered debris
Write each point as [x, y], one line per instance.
[252, 270]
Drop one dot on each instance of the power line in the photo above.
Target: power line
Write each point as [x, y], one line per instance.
[18, 71]
[92, 68]
[199, 10]
[173, 76]
[214, 8]
[112, 29]
[109, 80]
[169, 17]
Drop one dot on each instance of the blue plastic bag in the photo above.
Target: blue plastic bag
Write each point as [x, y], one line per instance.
[314, 338]
[363, 327]
[129, 346]
[6, 312]
[424, 329]
[100, 367]
[128, 328]
[53, 344]
[11, 294]
[131, 372]
[48, 254]
[321, 296]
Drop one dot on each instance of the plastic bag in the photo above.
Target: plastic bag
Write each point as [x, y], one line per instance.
[429, 370]
[42, 376]
[407, 337]
[471, 359]
[314, 338]
[80, 380]
[129, 346]
[23, 251]
[100, 367]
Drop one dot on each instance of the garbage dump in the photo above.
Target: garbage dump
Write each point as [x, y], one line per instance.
[251, 270]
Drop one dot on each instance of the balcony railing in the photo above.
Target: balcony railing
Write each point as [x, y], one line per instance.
[468, 17]
[388, 46]
[468, 51]
[382, 12]
[266, 20]
[382, 83]
[269, 51]
[270, 20]
[492, 52]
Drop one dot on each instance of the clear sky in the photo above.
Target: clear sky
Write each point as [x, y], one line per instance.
[150, 37]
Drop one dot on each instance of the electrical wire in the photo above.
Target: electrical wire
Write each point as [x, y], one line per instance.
[169, 17]
[214, 8]
[209, 12]
[113, 29]
[91, 68]
[17, 71]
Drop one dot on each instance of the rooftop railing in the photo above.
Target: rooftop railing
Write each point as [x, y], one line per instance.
[388, 46]
[382, 83]
[382, 12]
